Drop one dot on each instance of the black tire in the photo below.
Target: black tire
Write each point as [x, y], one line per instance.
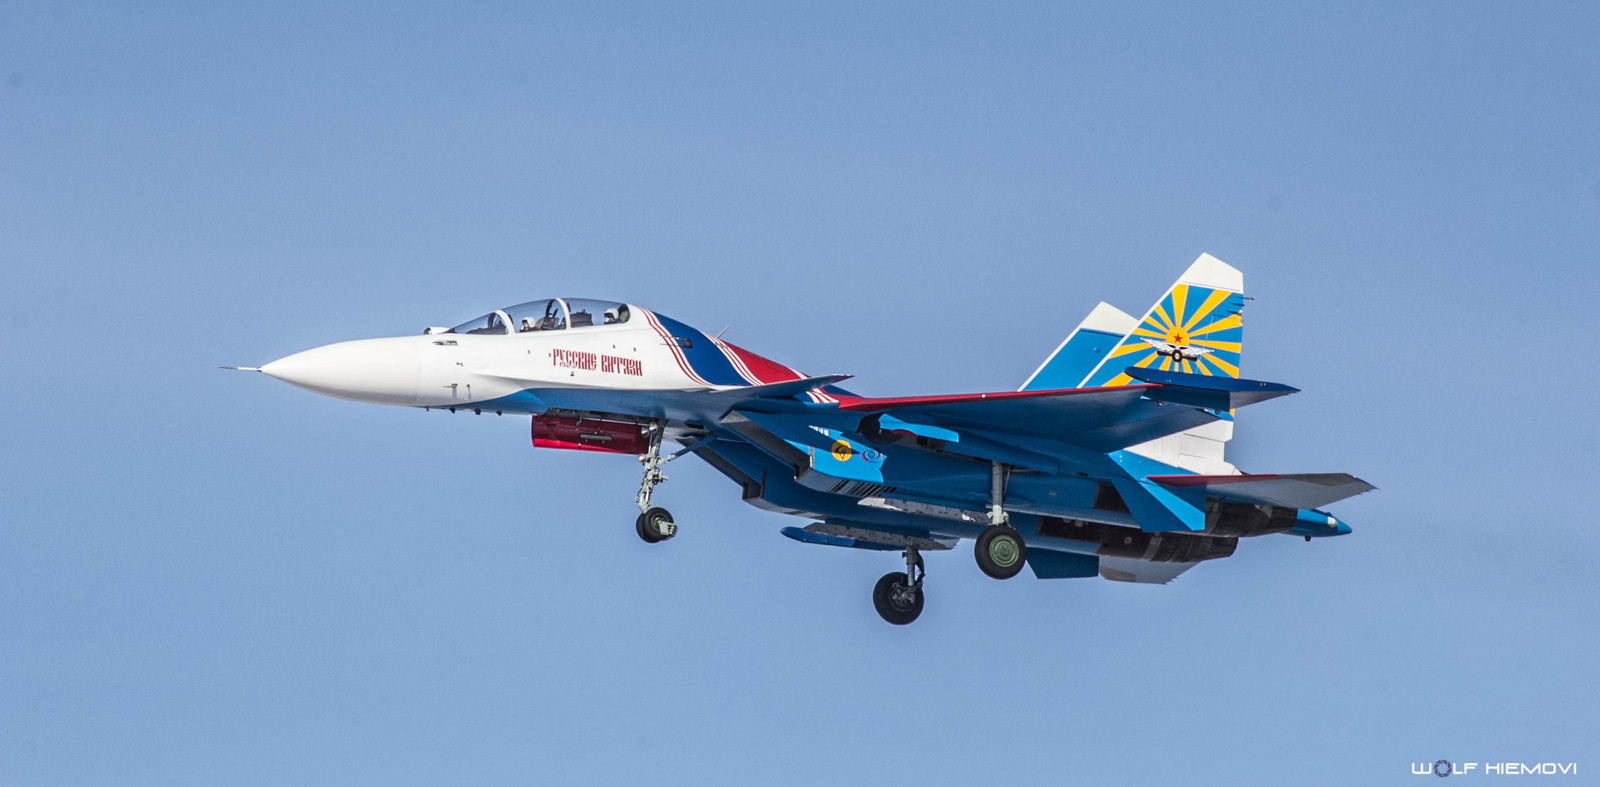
[1000, 552]
[646, 535]
[893, 604]
[656, 525]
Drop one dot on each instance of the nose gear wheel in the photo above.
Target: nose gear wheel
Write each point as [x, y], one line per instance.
[655, 525]
[898, 596]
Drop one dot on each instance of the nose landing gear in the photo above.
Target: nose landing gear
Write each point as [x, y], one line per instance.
[654, 524]
[898, 595]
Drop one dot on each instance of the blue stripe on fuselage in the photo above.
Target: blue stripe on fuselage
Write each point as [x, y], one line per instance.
[703, 355]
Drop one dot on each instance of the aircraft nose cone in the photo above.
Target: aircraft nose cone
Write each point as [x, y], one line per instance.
[381, 371]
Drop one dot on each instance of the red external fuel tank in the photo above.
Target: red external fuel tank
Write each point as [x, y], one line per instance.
[589, 434]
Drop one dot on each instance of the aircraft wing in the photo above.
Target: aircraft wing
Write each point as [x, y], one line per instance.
[1101, 419]
[1302, 490]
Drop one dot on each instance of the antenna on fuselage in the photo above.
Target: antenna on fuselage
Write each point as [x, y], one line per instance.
[723, 331]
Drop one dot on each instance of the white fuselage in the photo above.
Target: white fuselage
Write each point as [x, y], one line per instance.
[460, 369]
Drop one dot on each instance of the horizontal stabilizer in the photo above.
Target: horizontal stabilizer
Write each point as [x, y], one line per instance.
[1302, 490]
[1209, 391]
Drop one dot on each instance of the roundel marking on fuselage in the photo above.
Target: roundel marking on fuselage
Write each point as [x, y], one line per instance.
[842, 451]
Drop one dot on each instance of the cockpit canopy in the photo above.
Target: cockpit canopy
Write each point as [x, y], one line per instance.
[553, 314]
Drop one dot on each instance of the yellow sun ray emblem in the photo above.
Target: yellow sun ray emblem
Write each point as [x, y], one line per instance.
[1210, 303]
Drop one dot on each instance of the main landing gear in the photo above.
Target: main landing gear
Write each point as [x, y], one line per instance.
[999, 549]
[654, 523]
[898, 596]
[1000, 552]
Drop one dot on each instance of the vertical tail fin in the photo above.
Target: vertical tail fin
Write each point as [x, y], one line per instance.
[1195, 327]
[1082, 350]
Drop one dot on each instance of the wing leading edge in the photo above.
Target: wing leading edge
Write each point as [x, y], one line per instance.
[1100, 419]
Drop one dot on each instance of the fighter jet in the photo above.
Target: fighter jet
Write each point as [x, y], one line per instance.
[1108, 461]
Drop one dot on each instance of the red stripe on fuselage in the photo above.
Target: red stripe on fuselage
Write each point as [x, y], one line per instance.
[734, 361]
[763, 370]
[672, 344]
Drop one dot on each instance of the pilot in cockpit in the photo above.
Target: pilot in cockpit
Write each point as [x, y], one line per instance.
[528, 324]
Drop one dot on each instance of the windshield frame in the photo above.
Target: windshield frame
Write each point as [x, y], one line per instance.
[495, 319]
[546, 314]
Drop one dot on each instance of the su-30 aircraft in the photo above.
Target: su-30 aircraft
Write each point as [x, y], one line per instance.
[1108, 461]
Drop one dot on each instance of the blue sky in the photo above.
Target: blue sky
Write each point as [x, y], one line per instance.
[207, 577]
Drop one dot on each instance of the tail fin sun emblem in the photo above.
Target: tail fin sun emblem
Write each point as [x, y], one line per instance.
[1176, 351]
[1192, 329]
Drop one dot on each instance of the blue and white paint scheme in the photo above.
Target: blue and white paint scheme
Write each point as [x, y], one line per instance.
[1108, 461]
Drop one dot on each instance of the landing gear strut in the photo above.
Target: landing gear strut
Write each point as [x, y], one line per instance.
[999, 549]
[898, 596]
[654, 523]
